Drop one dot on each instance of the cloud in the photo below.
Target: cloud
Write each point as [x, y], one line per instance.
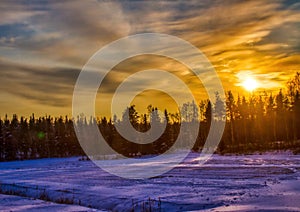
[235, 35]
[43, 45]
[44, 86]
[71, 31]
[13, 12]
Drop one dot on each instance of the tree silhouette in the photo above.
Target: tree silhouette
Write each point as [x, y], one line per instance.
[257, 123]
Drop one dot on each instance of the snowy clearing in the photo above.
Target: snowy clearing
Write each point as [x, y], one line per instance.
[225, 183]
[16, 203]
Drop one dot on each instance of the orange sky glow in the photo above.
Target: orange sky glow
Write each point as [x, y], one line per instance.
[253, 45]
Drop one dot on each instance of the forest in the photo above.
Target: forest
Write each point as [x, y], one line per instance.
[256, 123]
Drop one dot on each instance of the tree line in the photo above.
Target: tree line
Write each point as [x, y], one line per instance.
[254, 123]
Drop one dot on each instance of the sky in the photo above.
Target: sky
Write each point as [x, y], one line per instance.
[45, 44]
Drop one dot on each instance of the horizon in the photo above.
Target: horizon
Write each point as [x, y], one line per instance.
[143, 110]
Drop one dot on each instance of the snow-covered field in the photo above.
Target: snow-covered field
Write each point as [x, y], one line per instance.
[17, 203]
[266, 182]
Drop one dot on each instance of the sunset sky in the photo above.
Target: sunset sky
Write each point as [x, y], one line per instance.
[45, 44]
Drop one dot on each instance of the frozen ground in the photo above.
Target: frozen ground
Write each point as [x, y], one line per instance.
[267, 182]
[16, 203]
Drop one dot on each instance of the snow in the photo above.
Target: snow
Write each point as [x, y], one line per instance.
[282, 197]
[225, 183]
[16, 203]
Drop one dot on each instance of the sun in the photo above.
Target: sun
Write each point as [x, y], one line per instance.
[247, 79]
[250, 84]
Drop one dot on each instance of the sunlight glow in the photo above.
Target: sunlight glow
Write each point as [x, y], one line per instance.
[249, 80]
[250, 84]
